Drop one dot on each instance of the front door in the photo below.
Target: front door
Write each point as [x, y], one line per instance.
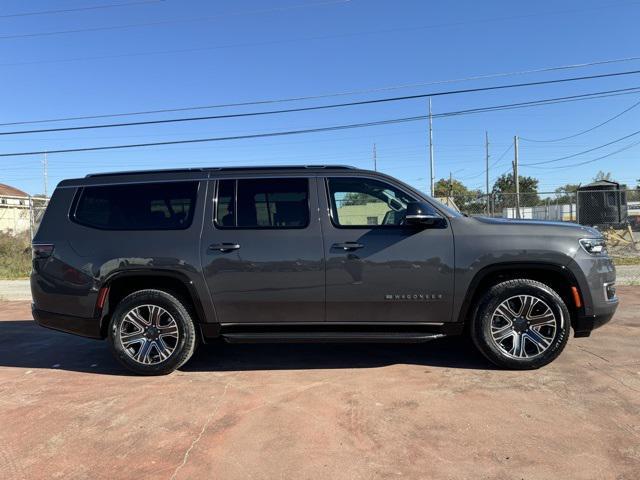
[378, 268]
[262, 251]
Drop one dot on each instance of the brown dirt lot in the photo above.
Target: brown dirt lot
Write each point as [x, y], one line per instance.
[67, 410]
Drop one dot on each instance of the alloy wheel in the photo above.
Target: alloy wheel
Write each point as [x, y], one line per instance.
[523, 326]
[149, 334]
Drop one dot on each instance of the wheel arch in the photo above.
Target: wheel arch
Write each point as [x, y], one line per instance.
[121, 284]
[558, 277]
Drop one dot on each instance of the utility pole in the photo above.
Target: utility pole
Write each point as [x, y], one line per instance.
[450, 186]
[486, 162]
[431, 173]
[375, 159]
[516, 178]
[45, 173]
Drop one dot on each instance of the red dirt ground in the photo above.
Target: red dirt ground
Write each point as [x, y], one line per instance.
[68, 410]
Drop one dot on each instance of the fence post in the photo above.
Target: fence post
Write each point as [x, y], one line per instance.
[30, 218]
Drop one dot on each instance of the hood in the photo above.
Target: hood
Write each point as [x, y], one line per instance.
[567, 227]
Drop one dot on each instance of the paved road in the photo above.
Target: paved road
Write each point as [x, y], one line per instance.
[68, 410]
[15, 290]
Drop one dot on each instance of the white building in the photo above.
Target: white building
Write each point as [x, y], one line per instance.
[18, 211]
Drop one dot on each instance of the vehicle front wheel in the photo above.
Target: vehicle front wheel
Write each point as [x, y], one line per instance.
[152, 333]
[521, 324]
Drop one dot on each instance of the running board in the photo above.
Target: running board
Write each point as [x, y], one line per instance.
[330, 337]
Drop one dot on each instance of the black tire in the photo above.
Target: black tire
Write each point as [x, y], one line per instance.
[183, 346]
[523, 338]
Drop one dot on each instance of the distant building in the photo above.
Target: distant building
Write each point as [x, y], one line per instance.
[16, 216]
[372, 213]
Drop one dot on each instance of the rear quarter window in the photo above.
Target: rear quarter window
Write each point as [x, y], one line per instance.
[148, 206]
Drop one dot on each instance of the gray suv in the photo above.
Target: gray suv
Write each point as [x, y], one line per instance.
[158, 261]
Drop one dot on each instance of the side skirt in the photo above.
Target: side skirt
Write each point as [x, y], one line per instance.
[329, 332]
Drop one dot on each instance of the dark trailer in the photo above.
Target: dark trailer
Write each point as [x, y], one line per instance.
[602, 203]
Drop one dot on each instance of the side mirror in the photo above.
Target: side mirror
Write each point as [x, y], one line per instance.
[419, 213]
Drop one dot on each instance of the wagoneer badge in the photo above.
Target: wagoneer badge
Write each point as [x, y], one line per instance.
[415, 296]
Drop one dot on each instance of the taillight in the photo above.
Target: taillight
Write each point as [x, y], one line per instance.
[42, 250]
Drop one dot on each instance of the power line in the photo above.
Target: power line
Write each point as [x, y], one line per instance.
[423, 27]
[566, 157]
[585, 131]
[220, 139]
[352, 104]
[234, 137]
[329, 95]
[80, 9]
[169, 22]
[174, 51]
[543, 102]
[615, 152]
[491, 166]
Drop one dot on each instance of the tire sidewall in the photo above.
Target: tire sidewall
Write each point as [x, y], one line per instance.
[186, 331]
[501, 292]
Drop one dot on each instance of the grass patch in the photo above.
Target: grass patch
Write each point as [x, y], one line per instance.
[15, 256]
[626, 260]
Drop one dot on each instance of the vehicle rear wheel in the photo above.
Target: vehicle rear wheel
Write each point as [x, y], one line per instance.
[152, 333]
[521, 324]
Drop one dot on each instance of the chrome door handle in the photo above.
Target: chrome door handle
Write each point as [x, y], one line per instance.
[348, 245]
[224, 247]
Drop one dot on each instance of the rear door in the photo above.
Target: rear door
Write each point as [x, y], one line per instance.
[378, 269]
[262, 250]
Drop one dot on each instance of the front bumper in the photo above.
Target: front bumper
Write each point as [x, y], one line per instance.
[86, 327]
[583, 324]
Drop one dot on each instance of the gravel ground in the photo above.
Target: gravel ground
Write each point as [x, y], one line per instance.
[628, 275]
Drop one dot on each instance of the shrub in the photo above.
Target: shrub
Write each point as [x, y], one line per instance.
[15, 255]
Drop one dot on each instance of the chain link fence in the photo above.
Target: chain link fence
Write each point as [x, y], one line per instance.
[21, 215]
[536, 206]
[615, 212]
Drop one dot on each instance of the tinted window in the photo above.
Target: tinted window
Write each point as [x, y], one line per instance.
[263, 203]
[152, 206]
[362, 202]
[226, 203]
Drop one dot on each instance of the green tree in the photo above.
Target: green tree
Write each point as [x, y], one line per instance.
[602, 176]
[356, 198]
[467, 200]
[504, 190]
[566, 193]
[445, 188]
[633, 194]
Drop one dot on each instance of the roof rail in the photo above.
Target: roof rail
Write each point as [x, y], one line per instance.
[206, 169]
[136, 172]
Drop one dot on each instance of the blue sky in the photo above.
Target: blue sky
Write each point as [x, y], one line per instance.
[196, 52]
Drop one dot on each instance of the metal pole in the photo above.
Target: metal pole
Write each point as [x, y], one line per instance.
[431, 173]
[486, 158]
[375, 158]
[45, 174]
[516, 178]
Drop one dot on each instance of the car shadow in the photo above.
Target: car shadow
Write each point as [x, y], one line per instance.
[24, 344]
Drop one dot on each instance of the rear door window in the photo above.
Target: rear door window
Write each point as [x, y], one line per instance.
[148, 206]
[263, 203]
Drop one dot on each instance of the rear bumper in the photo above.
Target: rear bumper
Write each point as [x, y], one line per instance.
[86, 327]
[583, 325]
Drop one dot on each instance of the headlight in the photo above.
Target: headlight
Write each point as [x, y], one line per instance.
[594, 246]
